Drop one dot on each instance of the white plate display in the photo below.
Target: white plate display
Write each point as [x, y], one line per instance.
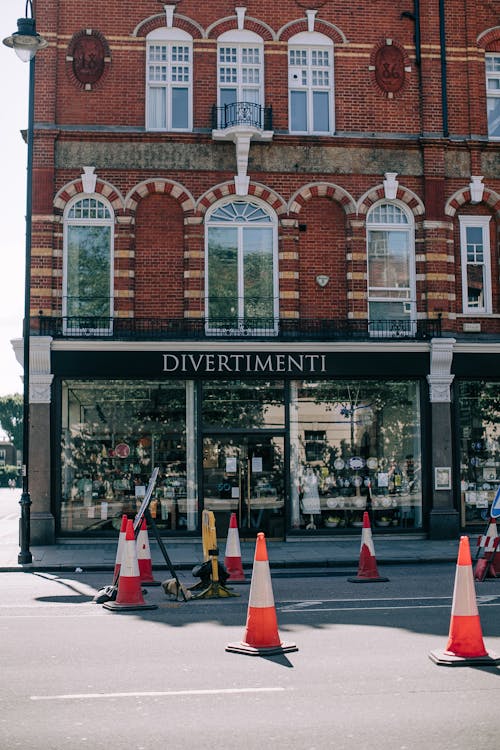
[356, 462]
[372, 462]
[331, 503]
[339, 464]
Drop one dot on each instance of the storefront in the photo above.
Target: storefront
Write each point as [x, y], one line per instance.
[293, 442]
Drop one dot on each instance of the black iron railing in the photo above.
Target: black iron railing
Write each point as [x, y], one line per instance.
[153, 329]
[242, 113]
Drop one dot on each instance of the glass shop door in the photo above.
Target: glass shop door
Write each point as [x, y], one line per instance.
[244, 474]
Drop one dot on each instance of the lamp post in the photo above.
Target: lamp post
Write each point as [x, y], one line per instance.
[26, 42]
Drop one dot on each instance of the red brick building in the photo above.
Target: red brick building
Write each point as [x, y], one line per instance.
[266, 260]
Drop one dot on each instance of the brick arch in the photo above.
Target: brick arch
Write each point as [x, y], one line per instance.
[489, 40]
[75, 187]
[462, 196]
[163, 186]
[321, 27]
[321, 189]
[179, 22]
[230, 23]
[404, 195]
[255, 189]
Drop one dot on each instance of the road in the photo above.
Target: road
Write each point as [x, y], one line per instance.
[76, 675]
[9, 515]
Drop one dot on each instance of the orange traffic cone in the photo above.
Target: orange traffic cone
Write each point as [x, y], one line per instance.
[367, 569]
[261, 636]
[119, 549]
[129, 594]
[465, 640]
[486, 566]
[232, 558]
[144, 557]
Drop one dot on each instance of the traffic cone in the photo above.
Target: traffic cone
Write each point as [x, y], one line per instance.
[232, 558]
[261, 636]
[465, 640]
[119, 549]
[129, 594]
[487, 565]
[367, 569]
[144, 557]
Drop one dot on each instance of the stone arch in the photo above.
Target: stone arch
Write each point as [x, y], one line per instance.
[490, 39]
[404, 195]
[159, 185]
[322, 27]
[230, 23]
[462, 196]
[179, 22]
[256, 189]
[75, 187]
[321, 189]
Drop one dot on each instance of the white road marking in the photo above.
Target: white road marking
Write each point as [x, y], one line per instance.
[154, 694]
[420, 602]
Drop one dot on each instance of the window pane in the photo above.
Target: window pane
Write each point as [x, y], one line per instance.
[258, 272]
[222, 274]
[227, 96]
[494, 117]
[88, 270]
[298, 114]
[475, 286]
[474, 244]
[157, 108]
[388, 259]
[180, 108]
[244, 403]
[320, 112]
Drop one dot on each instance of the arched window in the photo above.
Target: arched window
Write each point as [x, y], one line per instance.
[88, 264]
[240, 75]
[310, 83]
[169, 80]
[241, 268]
[391, 267]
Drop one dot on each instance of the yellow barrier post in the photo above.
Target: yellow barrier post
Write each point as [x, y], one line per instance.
[211, 552]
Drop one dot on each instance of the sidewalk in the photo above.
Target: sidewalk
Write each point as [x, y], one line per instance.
[307, 553]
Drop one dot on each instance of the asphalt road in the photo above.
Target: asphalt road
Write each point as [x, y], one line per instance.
[76, 675]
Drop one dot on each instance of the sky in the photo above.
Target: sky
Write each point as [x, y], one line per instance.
[14, 81]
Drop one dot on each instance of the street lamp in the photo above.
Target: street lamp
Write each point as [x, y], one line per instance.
[26, 42]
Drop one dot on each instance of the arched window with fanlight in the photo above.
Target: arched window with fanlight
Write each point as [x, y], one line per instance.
[241, 268]
[88, 265]
[391, 269]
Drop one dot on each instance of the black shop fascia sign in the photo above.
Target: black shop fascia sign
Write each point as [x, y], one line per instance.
[235, 365]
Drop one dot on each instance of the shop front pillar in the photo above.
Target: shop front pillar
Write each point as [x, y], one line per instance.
[42, 521]
[444, 520]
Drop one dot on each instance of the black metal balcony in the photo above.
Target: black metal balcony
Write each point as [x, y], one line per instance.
[242, 113]
[161, 329]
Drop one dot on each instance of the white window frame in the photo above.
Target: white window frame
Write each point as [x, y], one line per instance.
[301, 78]
[409, 302]
[241, 41]
[492, 94]
[68, 222]
[483, 222]
[239, 326]
[170, 39]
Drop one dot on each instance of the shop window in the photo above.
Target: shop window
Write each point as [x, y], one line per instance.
[310, 84]
[114, 434]
[478, 406]
[241, 269]
[475, 254]
[352, 441]
[391, 272]
[169, 80]
[243, 404]
[493, 94]
[88, 266]
[240, 75]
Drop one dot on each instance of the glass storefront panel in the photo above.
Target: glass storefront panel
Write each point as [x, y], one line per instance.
[243, 404]
[348, 438]
[479, 429]
[113, 434]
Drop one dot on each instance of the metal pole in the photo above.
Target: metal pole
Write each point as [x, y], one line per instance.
[25, 555]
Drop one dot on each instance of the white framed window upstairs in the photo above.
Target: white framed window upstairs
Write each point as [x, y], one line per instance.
[88, 266]
[240, 77]
[310, 84]
[169, 80]
[476, 269]
[493, 94]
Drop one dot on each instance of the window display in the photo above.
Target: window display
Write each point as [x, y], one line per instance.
[479, 428]
[366, 439]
